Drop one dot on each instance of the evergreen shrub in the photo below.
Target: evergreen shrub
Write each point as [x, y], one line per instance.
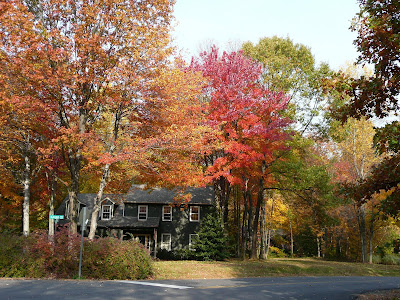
[212, 243]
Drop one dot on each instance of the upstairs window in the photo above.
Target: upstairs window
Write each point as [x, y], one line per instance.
[106, 212]
[167, 213]
[142, 212]
[194, 214]
[78, 206]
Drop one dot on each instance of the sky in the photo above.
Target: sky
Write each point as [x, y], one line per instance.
[321, 25]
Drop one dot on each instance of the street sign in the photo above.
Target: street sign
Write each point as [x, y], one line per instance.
[57, 217]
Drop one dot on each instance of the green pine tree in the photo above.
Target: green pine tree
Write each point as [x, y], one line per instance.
[211, 243]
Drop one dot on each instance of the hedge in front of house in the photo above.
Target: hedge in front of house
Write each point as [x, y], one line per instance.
[111, 258]
[104, 258]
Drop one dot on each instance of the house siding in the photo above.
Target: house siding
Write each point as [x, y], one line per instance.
[124, 224]
[180, 227]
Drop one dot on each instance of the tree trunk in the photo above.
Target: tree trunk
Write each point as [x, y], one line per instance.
[222, 190]
[74, 166]
[106, 173]
[291, 234]
[97, 202]
[324, 243]
[226, 204]
[269, 231]
[338, 244]
[73, 200]
[51, 182]
[237, 222]
[263, 234]
[371, 237]
[244, 226]
[318, 247]
[250, 225]
[27, 187]
[362, 228]
[260, 198]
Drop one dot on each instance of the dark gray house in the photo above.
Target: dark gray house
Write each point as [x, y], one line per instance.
[151, 216]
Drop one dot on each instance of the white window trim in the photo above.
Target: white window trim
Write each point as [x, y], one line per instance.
[190, 240]
[110, 212]
[66, 213]
[164, 245]
[147, 212]
[163, 215]
[191, 213]
[66, 210]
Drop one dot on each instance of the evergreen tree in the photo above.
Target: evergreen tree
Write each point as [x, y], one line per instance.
[211, 243]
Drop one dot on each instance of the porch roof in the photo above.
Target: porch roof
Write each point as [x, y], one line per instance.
[129, 222]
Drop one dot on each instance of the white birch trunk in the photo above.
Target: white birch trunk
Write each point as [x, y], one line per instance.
[25, 205]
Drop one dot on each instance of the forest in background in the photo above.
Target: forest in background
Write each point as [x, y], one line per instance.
[95, 98]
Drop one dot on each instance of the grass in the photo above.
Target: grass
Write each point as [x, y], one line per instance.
[270, 267]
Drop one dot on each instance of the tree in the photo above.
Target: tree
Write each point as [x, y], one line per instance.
[158, 136]
[24, 125]
[250, 130]
[378, 27]
[303, 179]
[356, 147]
[76, 57]
[211, 243]
[291, 68]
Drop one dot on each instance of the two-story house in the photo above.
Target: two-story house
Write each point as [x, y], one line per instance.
[151, 216]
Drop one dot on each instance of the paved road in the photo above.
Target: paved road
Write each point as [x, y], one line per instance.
[244, 288]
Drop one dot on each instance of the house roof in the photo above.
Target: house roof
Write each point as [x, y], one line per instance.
[201, 196]
[137, 194]
[87, 200]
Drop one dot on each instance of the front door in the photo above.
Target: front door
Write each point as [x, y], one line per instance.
[145, 238]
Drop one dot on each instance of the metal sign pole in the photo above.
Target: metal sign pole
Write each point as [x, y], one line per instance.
[83, 225]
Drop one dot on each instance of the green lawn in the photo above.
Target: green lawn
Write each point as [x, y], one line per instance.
[271, 267]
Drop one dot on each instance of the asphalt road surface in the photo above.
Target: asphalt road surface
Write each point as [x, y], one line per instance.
[209, 289]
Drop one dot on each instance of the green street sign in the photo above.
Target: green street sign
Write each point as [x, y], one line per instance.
[57, 217]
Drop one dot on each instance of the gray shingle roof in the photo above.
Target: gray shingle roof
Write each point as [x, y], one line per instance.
[137, 194]
[87, 200]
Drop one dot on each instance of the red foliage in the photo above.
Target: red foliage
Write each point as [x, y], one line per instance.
[246, 115]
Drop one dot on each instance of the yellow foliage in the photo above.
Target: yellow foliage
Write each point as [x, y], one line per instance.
[356, 146]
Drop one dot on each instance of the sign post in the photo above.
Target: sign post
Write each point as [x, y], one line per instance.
[83, 222]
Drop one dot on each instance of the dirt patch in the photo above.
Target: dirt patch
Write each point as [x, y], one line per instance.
[381, 295]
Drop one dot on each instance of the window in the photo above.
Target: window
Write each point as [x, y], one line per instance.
[192, 239]
[78, 206]
[167, 213]
[67, 210]
[142, 212]
[166, 241]
[106, 212]
[195, 213]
